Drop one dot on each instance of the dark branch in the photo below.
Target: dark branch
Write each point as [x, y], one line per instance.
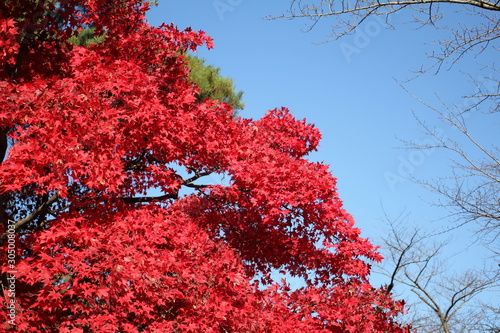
[150, 199]
[399, 264]
[196, 176]
[195, 186]
[42, 209]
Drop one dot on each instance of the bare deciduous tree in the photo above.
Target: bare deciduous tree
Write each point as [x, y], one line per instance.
[446, 301]
[345, 16]
[472, 192]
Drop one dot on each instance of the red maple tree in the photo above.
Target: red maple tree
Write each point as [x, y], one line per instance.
[90, 131]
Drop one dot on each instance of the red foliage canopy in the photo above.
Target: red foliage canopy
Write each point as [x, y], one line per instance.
[92, 130]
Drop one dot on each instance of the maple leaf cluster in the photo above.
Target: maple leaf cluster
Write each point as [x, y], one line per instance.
[94, 132]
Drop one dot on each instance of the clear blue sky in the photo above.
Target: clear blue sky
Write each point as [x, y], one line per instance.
[353, 99]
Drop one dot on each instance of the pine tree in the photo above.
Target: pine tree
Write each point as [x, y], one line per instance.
[212, 85]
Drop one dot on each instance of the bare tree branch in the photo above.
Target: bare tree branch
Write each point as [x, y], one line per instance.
[186, 182]
[416, 261]
[472, 192]
[42, 209]
[346, 16]
[150, 199]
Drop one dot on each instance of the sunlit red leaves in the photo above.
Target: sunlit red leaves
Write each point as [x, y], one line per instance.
[102, 124]
[8, 45]
[77, 120]
[296, 138]
[144, 267]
